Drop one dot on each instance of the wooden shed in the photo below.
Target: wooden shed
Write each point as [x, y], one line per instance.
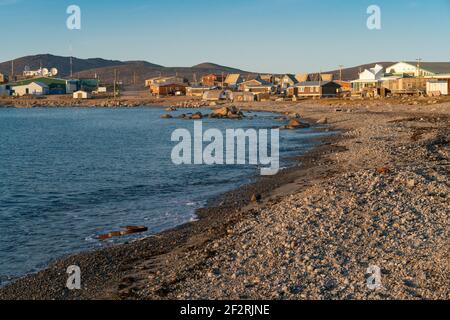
[168, 89]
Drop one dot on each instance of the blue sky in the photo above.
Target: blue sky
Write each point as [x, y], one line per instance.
[256, 35]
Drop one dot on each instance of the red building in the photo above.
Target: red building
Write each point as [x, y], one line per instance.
[165, 89]
[212, 80]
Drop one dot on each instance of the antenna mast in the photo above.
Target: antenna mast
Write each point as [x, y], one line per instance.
[419, 60]
[340, 72]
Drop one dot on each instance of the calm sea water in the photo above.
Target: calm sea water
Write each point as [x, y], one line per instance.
[69, 174]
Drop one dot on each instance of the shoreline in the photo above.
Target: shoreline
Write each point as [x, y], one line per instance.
[234, 200]
[162, 266]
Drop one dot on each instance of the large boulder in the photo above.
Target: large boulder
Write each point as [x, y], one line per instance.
[223, 112]
[295, 124]
[197, 116]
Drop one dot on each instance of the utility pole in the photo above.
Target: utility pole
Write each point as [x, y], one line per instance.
[419, 61]
[71, 68]
[115, 82]
[12, 71]
[320, 84]
[340, 72]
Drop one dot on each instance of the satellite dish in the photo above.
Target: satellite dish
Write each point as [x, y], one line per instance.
[53, 71]
[27, 68]
[45, 72]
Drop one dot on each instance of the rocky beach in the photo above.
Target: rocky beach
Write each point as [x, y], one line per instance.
[376, 194]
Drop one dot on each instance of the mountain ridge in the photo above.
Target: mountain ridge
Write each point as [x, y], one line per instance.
[136, 71]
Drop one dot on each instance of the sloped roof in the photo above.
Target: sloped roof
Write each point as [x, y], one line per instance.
[313, 83]
[170, 83]
[327, 76]
[213, 94]
[44, 80]
[232, 78]
[435, 67]
[260, 81]
[40, 84]
[302, 77]
[292, 77]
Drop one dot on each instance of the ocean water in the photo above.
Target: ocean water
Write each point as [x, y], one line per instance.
[70, 174]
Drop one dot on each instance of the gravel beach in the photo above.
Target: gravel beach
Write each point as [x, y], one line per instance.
[375, 195]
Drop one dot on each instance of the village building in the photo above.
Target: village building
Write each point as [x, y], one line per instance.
[268, 77]
[242, 97]
[256, 85]
[33, 88]
[161, 80]
[165, 89]
[196, 91]
[402, 86]
[345, 85]
[88, 84]
[288, 80]
[302, 77]
[233, 80]
[320, 89]
[422, 69]
[81, 95]
[442, 77]
[369, 78]
[437, 88]
[327, 76]
[213, 80]
[214, 95]
[100, 90]
[41, 72]
[291, 92]
[5, 91]
[3, 78]
[55, 85]
[263, 96]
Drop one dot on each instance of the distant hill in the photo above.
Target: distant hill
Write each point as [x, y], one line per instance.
[61, 63]
[214, 68]
[137, 71]
[128, 71]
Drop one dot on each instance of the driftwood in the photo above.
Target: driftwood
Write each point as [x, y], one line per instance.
[128, 230]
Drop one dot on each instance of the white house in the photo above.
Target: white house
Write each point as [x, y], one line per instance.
[214, 95]
[369, 78]
[437, 88]
[81, 95]
[414, 69]
[33, 88]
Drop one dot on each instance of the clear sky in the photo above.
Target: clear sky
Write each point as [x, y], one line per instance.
[256, 35]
